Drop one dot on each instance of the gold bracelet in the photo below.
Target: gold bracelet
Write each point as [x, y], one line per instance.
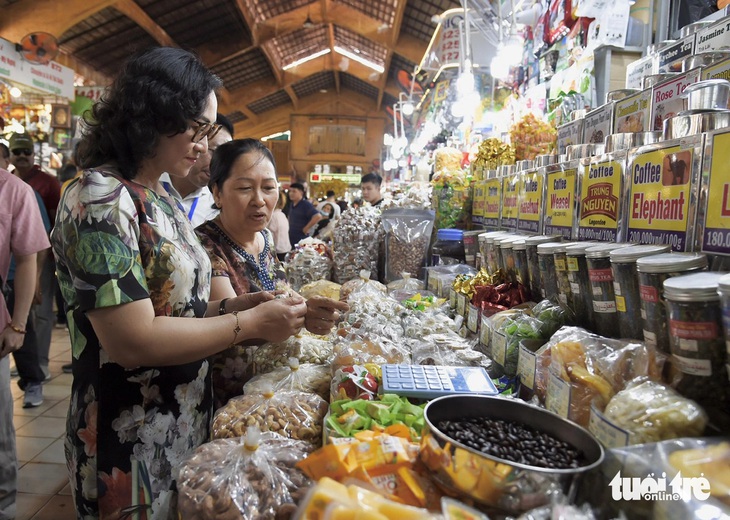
[237, 329]
[19, 330]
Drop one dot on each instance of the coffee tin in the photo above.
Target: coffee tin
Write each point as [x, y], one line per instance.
[569, 134]
[491, 212]
[561, 184]
[600, 201]
[531, 198]
[713, 219]
[511, 187]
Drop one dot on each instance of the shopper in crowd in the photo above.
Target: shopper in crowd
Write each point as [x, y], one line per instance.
[192, 191]
[279, 227]
[328, 214]
[22, 156]
[4, 156]
[137, 283]
[370, 186]
[357, 203]
[245, 188]
[330, 200]
[27, 364]
[23, 236]
[343, 205]
[303, 216]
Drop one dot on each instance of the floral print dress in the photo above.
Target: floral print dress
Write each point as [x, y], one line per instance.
[233, 367]
[128, 430]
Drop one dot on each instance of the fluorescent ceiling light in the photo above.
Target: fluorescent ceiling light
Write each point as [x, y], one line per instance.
[307, 58]
[359, 59]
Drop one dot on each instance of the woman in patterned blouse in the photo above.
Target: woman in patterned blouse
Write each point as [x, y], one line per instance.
[241, 249]
[136, 283]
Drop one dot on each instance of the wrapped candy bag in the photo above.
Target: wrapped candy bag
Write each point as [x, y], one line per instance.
[253, 477]
[309, 261]
[405, 283]
[295, 415]
[356, 243]
[306, 377]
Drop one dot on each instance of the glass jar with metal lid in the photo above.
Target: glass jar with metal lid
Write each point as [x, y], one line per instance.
[548, 278]
[448, 248]
[489, 254]
[652, 271]
[565, 296]
[696, 339]
[499, 251]
[533, 262]
[484, 247]
[580, 285]
[601, 278]
[626, 286]
[522, 271]
[508, 257]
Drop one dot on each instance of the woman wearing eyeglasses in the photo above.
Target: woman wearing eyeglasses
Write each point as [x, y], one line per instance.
[136, 282]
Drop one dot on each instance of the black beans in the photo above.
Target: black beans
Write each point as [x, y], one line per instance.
[513, 442]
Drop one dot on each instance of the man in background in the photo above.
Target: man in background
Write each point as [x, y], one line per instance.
[303, 216]
[22, 156]
[370, 186]
[22, 235]
[192, 191]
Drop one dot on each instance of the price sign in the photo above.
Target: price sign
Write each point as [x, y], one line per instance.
[716, 221]
[600, 200]
[449, 46]
[660, 197]
[511, 186]
[530, 201]
[492, 202]
[560, 202]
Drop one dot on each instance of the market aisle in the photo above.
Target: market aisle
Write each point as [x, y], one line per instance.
[43, 491]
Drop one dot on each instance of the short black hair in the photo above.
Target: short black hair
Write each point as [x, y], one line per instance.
[372, 177]
[157, 92]
[6, 150]
[330, 193]
[222, 120]
[228, 153]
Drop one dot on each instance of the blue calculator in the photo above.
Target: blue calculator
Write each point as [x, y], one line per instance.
[431, 381]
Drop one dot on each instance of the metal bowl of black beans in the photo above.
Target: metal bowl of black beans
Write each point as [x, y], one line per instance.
[505, 453]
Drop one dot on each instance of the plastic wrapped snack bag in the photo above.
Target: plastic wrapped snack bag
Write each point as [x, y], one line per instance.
[306, 377]
[295, 415]
[306, 347]
[248, 478]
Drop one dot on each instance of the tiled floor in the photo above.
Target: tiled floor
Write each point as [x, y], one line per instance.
[43, 491]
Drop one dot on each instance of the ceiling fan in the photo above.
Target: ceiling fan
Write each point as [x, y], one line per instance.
[38, 47]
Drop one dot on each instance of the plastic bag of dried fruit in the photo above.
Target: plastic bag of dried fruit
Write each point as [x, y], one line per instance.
[354, 348]
[407, 237]
[305, 377]
[321, 288]
[306, 347]
[250, 477]
[693, 473]
[531, 137]
[577, 368]
[292, 414]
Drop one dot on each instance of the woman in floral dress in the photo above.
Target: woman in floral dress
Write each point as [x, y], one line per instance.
[242, 252]
[136, 282]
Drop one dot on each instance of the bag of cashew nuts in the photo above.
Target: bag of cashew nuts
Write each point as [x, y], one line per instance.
[305, 377]
[407, 236]
[248, 478]
[306, 347]
[292, 414]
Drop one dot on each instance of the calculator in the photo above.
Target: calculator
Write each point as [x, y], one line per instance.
[431, 381]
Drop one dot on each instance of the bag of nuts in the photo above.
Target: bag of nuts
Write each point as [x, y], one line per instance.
[356, 243]
[253, 477]
[307, 377]
[407, 236]
[296, 415]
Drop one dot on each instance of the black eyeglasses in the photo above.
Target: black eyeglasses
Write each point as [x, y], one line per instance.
[209, 130]
[23, 151]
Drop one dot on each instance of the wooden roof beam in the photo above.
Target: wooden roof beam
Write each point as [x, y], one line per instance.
[134, 12]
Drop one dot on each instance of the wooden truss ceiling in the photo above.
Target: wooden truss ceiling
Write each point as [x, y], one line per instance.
[248, 43]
